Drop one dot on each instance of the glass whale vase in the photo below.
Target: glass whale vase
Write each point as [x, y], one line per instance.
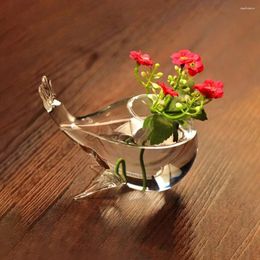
[106, 134]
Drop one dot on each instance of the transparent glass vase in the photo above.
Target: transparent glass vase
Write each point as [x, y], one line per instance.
[114, 132]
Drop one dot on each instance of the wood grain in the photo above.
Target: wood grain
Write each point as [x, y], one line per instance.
[83, 47]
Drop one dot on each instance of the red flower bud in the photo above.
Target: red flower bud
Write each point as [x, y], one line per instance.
[210, 88]
[141, 59]
[167, 90]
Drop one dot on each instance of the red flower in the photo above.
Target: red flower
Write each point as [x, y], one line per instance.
[194, 67]
[140, 58]
[167, 90]
[184, 57]
[210, 88]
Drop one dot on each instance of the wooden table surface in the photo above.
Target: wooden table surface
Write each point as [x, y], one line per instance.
[83, 46]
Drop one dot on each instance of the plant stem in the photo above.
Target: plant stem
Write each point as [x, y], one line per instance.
[136, 72]
[151, 76]
[179, 78]
[175, 132]
[121, 162]
[143, 169]
[174, 117]
[158, 97]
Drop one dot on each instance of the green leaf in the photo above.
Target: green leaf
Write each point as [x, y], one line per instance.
[201, 116]
[160, 128]
[172, 105]
[148, 122]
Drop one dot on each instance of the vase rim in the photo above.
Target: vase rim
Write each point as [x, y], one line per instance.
[130, 103]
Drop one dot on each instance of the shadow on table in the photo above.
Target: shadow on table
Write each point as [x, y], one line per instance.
[158, 222]
[169, 228]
